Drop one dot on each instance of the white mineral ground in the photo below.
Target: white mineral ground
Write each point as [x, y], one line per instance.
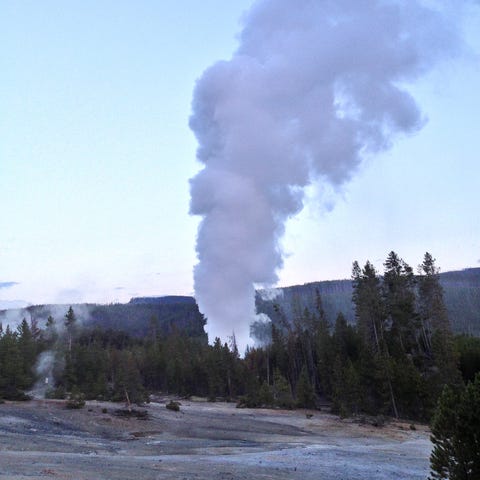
[42, 439]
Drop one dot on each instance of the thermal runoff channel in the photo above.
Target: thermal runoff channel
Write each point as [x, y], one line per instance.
[314, 87]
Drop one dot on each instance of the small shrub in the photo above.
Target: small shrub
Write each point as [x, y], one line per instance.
[265, 395]
[57, 393]
[172, 405]
[242, 403]
[379, 421]
[76, 400]
[14, 394]
[343, 412]
[131, 413]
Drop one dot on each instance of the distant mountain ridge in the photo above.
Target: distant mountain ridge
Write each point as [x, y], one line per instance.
[169, 314]
[461, 294]
[180, 313]
[162, 300]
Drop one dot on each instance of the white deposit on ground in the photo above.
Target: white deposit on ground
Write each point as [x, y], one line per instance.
[43, 439]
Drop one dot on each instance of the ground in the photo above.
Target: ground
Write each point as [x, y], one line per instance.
[203, 441]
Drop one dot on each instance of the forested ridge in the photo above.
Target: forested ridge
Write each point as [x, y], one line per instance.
[395, 360]
[172, 313]
[461, 295]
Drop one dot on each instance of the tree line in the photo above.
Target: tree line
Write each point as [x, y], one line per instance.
[395, 360]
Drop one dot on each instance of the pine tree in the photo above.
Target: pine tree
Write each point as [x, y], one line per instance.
[50, 334]
[128, 381]
[12, 375]
[322, 349]
[371, 320]
[28, 352]
[304, 391]
[455, 434]
[216, 373]
[442, 459]
[346, 389]
[70, 327]
[433, 313]
[399, 296]
[369, 307]
[281, 391]
[441, 360]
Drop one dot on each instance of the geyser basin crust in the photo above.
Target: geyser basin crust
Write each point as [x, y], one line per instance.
[202, 441]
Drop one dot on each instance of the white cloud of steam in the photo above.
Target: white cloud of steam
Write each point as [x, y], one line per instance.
[58, 312]
[13, 318]
[44, 367]
[261, 330]
[314, 87]
[44, 373]
[40, 314]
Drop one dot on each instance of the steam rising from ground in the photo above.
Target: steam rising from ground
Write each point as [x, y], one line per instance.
[270, 294]
[314, 87]
[46, 362]
[44, 374]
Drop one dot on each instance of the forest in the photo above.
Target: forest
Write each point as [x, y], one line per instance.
[395, 360]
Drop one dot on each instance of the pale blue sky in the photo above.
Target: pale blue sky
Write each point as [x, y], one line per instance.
[96, 153]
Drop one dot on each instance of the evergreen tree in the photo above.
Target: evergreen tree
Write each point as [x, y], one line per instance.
[433, 313]
[322, 349]
[12, 375]
[346, 396]
[70, 327]
[441, 361]
[371, 320]
[304, 391]
[369, 307]
[468, 351]
[128, 381]
[281, 391]
[28, 352]
[50, 333]
[399, 296]
[346, 391]
[455, 434]
[216, 371]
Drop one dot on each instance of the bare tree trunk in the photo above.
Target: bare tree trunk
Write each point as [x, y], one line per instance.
[385, 358]
[129, 405]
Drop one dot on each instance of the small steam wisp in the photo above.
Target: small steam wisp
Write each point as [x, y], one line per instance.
[314, 86]
[44, 373]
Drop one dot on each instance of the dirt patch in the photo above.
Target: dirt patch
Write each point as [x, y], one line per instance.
[43, 439]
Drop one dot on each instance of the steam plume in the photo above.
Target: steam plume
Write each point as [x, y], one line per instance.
[314, 86]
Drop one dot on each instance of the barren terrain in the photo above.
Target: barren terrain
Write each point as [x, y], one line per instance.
[43, 439]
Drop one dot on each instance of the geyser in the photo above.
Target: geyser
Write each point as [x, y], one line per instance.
[313, 88]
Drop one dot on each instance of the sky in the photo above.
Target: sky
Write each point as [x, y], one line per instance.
[96, 156]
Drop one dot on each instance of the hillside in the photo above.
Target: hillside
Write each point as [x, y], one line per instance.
[461, 289]
[462, 297]
[170, 314]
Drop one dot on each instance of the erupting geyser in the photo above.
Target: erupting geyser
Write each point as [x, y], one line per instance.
[314, 86]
